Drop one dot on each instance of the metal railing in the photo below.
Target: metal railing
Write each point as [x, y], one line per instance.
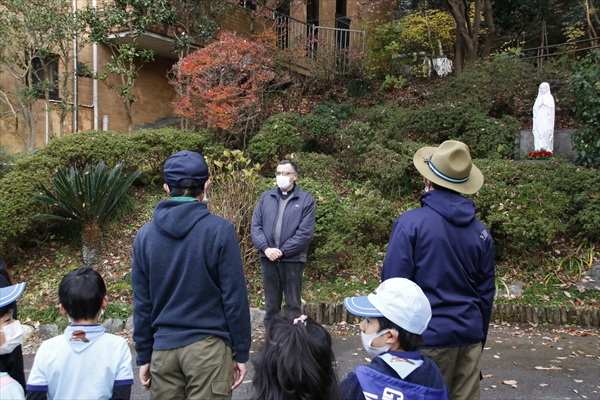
[320, 49]
[553, 50]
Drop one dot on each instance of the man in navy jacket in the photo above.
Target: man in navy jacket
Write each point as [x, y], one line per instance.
[448, 252]
[283, 224]
[191, 312]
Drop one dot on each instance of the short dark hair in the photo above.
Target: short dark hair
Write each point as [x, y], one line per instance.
[408, 341]
[286, 162]
[188, 187]
[6, 309]
[81, 293]
[296, 363]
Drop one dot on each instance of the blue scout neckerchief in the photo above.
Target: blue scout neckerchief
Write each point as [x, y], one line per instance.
[379, 386]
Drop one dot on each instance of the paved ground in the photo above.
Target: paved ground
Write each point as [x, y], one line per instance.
[519, 362]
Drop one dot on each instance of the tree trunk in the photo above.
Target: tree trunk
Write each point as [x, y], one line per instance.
[489, 20]
[589, 11]
[466, 33]
[459, 56]
[91, 241]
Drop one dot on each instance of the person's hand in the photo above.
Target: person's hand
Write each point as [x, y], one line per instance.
[239, 372]
[273, 254]
[145, 376]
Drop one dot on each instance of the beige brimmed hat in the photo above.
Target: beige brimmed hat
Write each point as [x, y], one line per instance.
[449, 166]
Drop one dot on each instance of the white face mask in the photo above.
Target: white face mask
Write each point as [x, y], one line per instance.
[283, 182]
[14, 337]
[368, 339]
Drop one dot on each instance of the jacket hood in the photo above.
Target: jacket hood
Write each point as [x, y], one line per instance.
[80, 337]
[176, 218]
[458, 210]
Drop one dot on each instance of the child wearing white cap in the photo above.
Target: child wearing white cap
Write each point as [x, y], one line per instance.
[396, 314]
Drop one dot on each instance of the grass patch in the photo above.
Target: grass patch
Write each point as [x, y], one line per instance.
[554, 296]
[336, 288]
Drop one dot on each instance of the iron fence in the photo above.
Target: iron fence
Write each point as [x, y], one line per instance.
[320, 49]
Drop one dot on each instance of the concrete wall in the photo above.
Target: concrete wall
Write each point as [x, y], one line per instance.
[562, 143]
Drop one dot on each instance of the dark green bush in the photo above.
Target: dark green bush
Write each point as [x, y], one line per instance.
[350, 232]
[359, 87]
[379, 163]
[585, 86]
[503, 85]
[527, 205]
[432, 124]
[487, 137]
[145, 150]
[490, 137]
[383, 118]
[318, 166]
[321, 124]
[5, 161]
[278, 137]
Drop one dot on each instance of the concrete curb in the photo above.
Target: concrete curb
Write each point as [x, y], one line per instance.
[330, 313]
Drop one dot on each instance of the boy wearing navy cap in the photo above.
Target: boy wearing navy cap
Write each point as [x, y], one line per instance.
[191, 311]
[396, 314]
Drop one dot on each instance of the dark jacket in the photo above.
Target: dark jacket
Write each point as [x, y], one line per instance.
[427, 375]
[297, 227]
[13, 362]
[188, 281]
[445, 250]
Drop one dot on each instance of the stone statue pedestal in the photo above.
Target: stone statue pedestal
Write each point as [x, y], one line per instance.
[562, 144]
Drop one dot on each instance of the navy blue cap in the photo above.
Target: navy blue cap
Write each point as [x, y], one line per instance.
[185, 165]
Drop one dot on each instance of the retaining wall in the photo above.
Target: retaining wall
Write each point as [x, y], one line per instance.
[329, 313]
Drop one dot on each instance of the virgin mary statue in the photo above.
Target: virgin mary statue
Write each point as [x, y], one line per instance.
[543, 119]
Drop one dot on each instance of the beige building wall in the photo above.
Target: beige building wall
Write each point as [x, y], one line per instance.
[152, 88]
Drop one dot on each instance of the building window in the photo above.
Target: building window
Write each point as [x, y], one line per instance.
[44, 73]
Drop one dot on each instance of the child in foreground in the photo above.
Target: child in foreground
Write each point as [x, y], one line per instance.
[397, 313]
[11, 336]
[85, 362]
[296, 363]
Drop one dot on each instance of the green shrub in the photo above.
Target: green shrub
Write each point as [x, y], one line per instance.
[318, 166]
[350, 232]
[501, 85]
[146, 150]
[5, 161]
[527, 205]
[359, 87]
[321, 124]
[383, 118]
[490, 137]
[585, 86]
[487, 137]
[432, 124]
[278, 137]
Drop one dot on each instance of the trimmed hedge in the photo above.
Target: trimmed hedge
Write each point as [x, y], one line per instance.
[146, 150]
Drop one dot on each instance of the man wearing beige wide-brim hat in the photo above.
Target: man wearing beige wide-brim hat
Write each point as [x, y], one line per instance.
[449, 253]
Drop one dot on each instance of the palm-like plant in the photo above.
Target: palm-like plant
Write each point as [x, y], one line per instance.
[86, 198]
